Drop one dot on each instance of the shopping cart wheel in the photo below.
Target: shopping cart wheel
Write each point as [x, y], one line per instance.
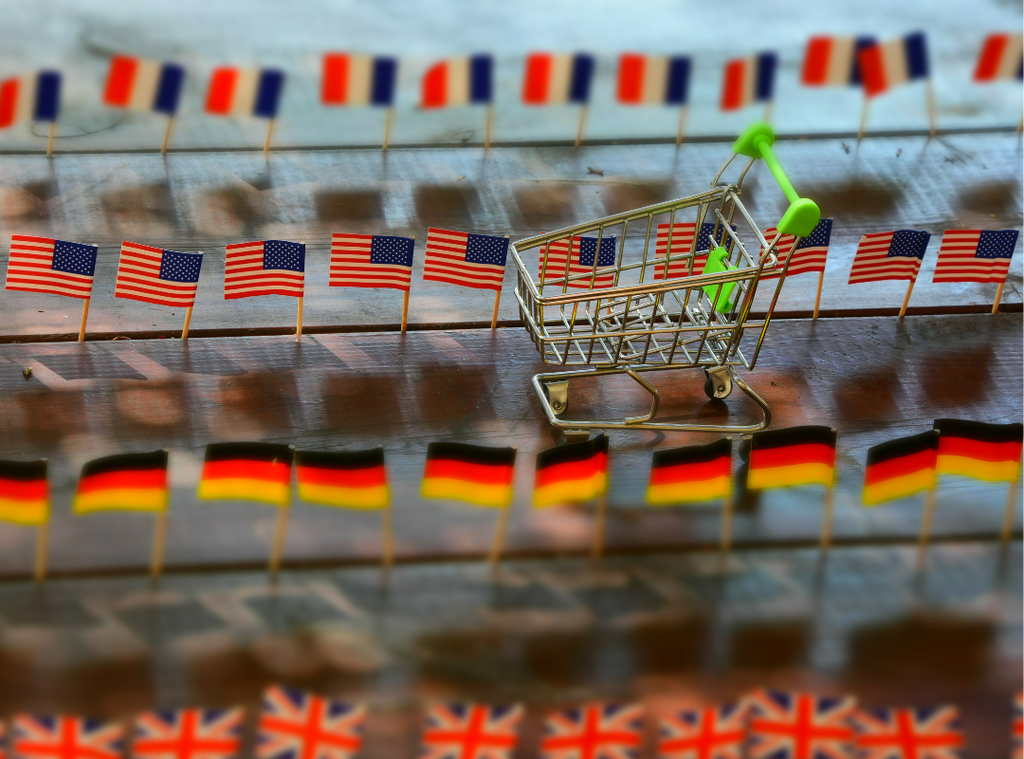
[558, 396]
[717, 383]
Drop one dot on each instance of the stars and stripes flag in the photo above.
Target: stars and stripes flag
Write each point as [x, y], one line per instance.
[682, 240]
[460, 258]
[1001, 57]
[889, 255]
[458, 81]
[653, 79]
[833, 61]
[188, 734]
[296, 725]
[153, 275]
[265, 267]
[799, 726]
[43, 265]
[932, 733]
[713, 732]
[371, 261]
[471, 731]
[975, 255]
[557, 78]
[1018, 726]
[580, 262]
[35, 97]
[58, 737]
[810, 253]
[359, 80]
[144, 85]
[593, 731]
[245, 92]
[749, 80]
[888, 64]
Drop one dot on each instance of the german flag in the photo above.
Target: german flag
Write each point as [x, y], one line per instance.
[349, 479]
[476, 474]
[24, 492]
[791, 457]
[989, 452]
[247, 472]
[571, 473]
[694, 473]
[900, 468]
[127, 482]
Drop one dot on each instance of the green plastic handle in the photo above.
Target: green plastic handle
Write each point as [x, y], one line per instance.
[803, 214]
[718, 260]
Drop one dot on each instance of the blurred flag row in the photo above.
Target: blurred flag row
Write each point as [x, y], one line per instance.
[765, 724]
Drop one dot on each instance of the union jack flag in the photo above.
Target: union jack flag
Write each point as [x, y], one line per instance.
[471, 731]
[55, 737]
[1018, 726]
[714, 732]
[188, 734]
[909, 733]
[297, 725]
[594, 731]
[800, 726]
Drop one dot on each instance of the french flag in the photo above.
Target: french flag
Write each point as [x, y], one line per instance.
[35, 97]
[245, 92]
[749, 80]
[654, 79]
[553, 79]
[1002, 57]
[889, 64]
[144, 85]
[833, 61]
[458, 81]
[359, 80]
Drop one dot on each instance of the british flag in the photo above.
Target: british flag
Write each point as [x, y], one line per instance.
[593, 731]
[188, 734]
[57, 737]
[909, 733]
[799, 726]
[296, 725]
[713, 732]
[1018, 726]
[471, 731]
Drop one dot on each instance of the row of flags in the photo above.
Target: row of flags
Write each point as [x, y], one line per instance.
[349, 79]
[293, 724]
[277, 267]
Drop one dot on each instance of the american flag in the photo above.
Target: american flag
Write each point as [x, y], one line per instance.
[889, 255]
[371, 261]
[265, 267]
[909, 733]
[714, 732]
[42, 265]
[975, 255]
[471, 731]
[52, 737]
[799, 726]
[152, 275]
[465, 259]
[581, 261]
[297, 725]
[188, 734]
[682, 239]
[594, 731]
[810, 252]
[1018, 726]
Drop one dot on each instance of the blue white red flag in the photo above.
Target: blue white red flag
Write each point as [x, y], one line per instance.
[749, 80]
[57, 737]
[188, 734]
[594, 731]
[810, 253]
[152, 275]
[975, 255]
[471, 731]
[459, 81]
[1001, 57]
[245, 92]
[889, 255]
[834, 61]
[884, 65]
[45, 265]
[371, 261]
[681, 242]
[460, 258]
[34, 97]
[359, 80]
[144, 85]
[653, 79]
[799, 726]
[713, 732]
[556, 78]
[296, 725]
[909, 733]
[264, 267]
[581, 270]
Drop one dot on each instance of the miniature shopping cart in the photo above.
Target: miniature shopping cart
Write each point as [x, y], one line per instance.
[646, 305]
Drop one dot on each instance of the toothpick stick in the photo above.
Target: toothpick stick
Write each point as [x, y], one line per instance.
[579, 129]
[726, 540]
[266, 142]
[600, 514]
[405, 310]
[85, 318]
[278, 546]
[42, 533]
[906, 298]
[387, 545]
[817, 298]
[768, 111]
[926, 518]
[159, 534]
[1011, 503]
[498, 541]
[826, 521]
[999, 297]
[188, 321]
[929, 93]
[682, 124]
[49, 141]
[387, 126]
[494, 316]
[298, 321]
[1020, 125]
[863, 118]
[167, 134]
[488, 116]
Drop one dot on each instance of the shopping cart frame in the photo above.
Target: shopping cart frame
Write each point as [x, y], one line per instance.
[659, 323]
